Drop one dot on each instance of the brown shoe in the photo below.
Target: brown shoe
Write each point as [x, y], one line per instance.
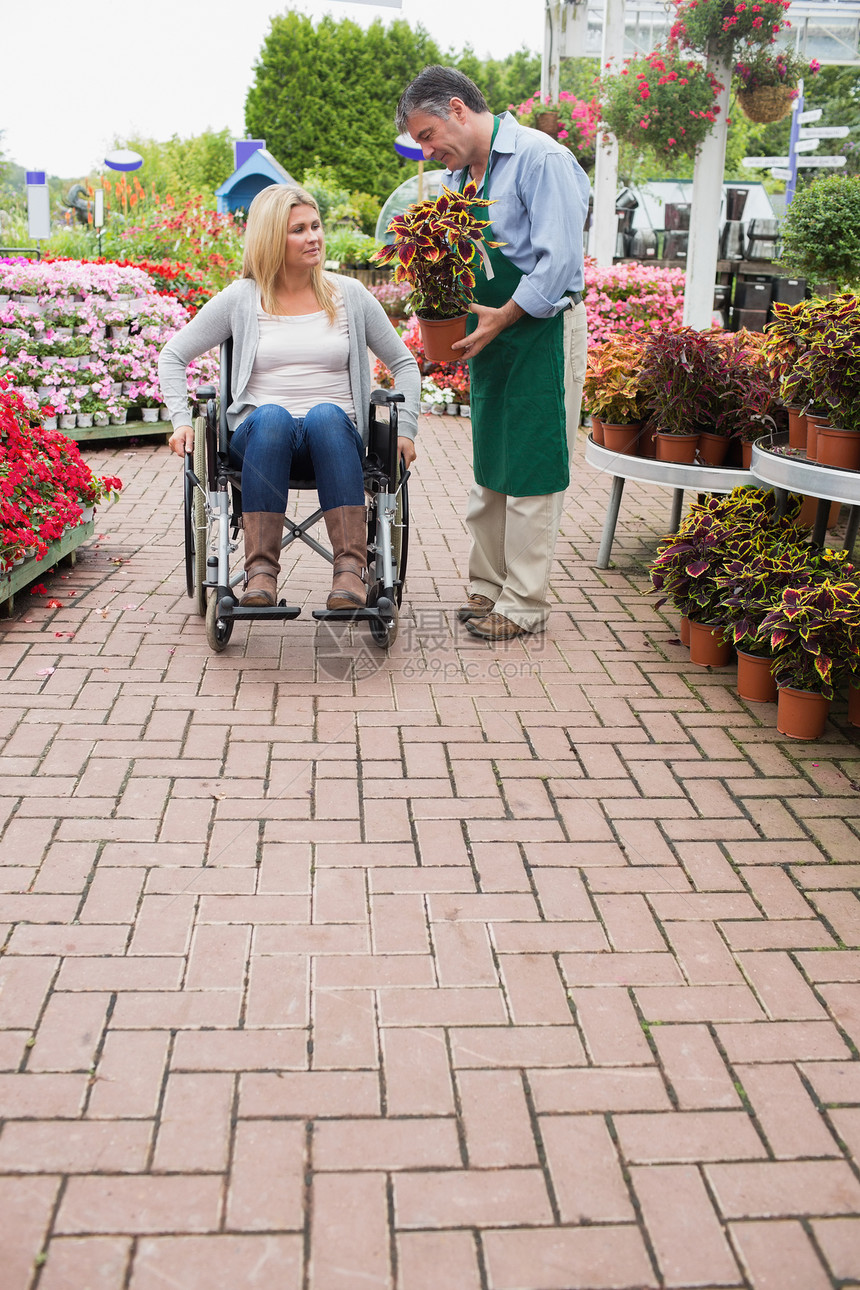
[263, 534]
[347, 531]
[494, 627]
[475, 607]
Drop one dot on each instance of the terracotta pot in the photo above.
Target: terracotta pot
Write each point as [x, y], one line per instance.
[437, 335]
[676, 447]
[622, 438]
[755, 679]
[854, 705]
[684, 630]
[801, 714]
[712, 448]
[809, 510]
[596, 429]
[647, 442]
[813, 421]
[746, 453]
[838, 447]
[796, 427]
[707, 648]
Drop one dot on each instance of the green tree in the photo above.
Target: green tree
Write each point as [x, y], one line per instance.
[326, 96]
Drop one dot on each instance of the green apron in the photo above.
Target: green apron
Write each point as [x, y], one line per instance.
[519, 435]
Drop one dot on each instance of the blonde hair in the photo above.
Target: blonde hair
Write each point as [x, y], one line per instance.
[265, 239]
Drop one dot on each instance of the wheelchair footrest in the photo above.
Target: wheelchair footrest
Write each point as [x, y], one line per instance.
[233, 610]
[373, 613]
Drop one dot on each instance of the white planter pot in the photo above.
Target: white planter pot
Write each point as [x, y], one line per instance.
[101, 419]
[118, 418]
[50, 423]
[127, 387]
[62, 333]
[149, 414]
[85, 420]
[119, 333]
[88, 513]
[44, 391]
[4, 299]
[465, 410]
[115, 389]
[438, 409]
[68, 421]
[163, 413]
[48, 360]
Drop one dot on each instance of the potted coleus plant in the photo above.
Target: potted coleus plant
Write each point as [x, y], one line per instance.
[815, 634]
[613, 392]
[683, 380]
[832, 361]
[436, 244]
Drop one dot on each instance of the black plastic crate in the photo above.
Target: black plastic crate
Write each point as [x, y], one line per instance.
[789, 291]
[752, 295]
[752, 319]
[675, 246]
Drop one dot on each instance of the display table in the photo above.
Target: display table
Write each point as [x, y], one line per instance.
[797, 475]
[665, 474]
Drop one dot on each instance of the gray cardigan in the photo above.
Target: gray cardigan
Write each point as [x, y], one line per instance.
[233, 312]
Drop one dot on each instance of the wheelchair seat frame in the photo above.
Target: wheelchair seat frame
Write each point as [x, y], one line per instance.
[212, 506]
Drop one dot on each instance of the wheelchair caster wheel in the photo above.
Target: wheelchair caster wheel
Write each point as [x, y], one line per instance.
[385, 634]
[218, 630]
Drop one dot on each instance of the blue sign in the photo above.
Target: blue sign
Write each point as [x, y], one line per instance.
[35, 176]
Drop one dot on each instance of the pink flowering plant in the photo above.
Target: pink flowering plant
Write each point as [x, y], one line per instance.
[631, 298]
[663, 100]
[578, 121]
[74, 331]
[766, 68]
[723, 25]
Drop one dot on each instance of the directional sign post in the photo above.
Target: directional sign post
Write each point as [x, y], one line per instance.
[828, 162]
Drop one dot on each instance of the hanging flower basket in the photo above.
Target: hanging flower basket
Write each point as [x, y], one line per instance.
[662, 101]
[766, 104]
[547, 122]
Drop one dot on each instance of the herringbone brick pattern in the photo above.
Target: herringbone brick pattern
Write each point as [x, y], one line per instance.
[529, 968]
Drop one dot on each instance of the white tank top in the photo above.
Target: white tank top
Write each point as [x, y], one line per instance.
[302, 361]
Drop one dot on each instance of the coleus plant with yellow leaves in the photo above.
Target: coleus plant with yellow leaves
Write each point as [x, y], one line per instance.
[435, 248]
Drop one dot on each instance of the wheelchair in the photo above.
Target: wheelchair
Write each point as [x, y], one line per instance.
[213, 513]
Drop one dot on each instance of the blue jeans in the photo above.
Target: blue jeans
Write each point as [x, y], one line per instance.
[271, 446]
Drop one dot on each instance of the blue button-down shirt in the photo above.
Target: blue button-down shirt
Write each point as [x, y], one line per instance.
[540, 196]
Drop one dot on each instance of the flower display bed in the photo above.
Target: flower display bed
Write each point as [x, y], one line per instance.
[83, 338]
[19, 577]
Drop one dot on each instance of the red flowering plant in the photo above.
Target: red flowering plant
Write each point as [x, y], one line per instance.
[44, 483]
[662, 100]
[722, 25]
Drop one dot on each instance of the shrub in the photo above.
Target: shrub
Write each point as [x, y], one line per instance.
[821, 231]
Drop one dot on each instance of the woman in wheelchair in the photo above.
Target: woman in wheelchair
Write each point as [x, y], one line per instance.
[300, 382]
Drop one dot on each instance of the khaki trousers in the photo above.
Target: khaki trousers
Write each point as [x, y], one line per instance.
[513, 538]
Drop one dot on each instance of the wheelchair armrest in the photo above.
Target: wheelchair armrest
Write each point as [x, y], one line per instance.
[205, 392]
[386, 396]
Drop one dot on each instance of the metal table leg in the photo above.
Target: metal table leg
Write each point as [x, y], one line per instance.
[819, 531]
[851, 530]
[677, 505]
[608, 535]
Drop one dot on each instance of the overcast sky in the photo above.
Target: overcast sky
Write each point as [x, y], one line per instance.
[75, 76]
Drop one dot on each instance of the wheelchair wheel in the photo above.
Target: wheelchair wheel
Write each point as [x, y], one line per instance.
[217, 636]
[382, 636]
[400, 537]
[196, 522]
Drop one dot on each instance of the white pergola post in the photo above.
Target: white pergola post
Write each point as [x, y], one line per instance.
[703, 245]
[602, 234]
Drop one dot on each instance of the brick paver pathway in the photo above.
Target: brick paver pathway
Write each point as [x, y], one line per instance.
[531, 968]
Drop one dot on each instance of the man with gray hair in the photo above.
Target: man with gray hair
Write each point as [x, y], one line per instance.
[526, 345]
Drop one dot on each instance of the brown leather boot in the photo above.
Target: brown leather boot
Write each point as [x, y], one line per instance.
[347, 531]
[263, 533]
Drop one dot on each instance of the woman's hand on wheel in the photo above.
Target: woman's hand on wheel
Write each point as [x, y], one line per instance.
[182, 440]
[406, 450]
